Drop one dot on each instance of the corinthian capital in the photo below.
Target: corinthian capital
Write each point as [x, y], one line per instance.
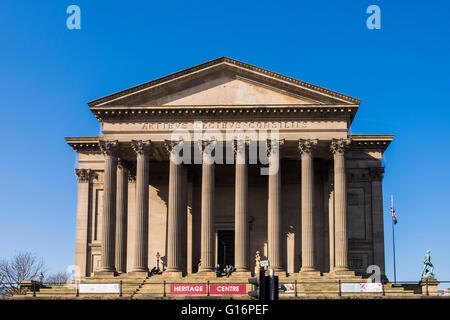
[142, 147]
[239, 146]
[273, 145]
[339, 146]
[132, 177]
[110, 148]
[123, 164]
[307, 145]
[84, 175]
[172, 144]
[204, 144]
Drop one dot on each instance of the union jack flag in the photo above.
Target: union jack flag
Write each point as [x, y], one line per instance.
[393, 212]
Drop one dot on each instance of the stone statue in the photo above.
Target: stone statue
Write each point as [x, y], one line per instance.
[257, 262]
[427, 263]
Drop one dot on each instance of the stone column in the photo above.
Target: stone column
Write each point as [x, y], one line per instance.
[131, 218]
[241, 215]
[376, 175]
[83, 208]
[331, 217]
[207, 213]
[190, 224]
[110, 150]
[274, 207]
[175, 210]
[121, 217]
[306, 148]
[338, 147]
[143, 150]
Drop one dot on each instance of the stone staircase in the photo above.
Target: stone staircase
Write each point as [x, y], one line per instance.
[158, 287]
[154, 287]
[69, 291]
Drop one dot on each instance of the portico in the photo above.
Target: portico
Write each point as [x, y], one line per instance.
[316, 212]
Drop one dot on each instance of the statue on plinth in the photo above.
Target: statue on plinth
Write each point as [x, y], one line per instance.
[427, 273]
[257, 262]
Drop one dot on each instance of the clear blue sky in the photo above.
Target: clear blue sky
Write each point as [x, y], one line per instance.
[48, 73]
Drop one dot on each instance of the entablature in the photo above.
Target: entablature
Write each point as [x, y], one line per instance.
[183, 112]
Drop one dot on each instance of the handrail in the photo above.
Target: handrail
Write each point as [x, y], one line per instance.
[387, 288]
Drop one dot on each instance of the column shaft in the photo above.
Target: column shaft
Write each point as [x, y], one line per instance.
[274, 218]
[142, 149]
[331, 217]
[174, 217]
[341, 211]
[241, 214]
[121, 219]
[207, 222]
[307, 213]
[306, 148]
[109, 149]
[340, 195]
[83, 208]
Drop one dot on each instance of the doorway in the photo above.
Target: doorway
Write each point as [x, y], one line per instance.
[225, 250]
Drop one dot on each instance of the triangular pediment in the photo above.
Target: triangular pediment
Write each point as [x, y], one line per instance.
[223, 82]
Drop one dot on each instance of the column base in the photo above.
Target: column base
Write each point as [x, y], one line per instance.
[343, 272]
[105, 274]
[206, 274]
[309, 272]
[205, 269]
[137, 274]
[172, 273]
[241, 272]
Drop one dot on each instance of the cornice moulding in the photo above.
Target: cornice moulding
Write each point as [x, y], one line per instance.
[158, 112]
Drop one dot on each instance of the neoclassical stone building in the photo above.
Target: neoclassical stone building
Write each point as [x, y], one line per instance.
[320, 213]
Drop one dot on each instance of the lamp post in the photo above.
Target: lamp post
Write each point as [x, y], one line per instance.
[157, 260]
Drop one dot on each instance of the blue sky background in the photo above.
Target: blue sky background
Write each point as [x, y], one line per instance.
[48, 73]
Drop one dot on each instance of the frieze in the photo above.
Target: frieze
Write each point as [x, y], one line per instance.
[225, 125]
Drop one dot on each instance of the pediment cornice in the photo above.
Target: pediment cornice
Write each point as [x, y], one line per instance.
[84, 144]
[276, 80]
[370, 141]
[309, 111]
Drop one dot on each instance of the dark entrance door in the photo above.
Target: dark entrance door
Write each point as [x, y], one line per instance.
[225, 254]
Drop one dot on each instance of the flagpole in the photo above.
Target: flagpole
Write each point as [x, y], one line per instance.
[393, 237]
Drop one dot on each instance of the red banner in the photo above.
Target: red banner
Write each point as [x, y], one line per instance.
[188, 288]
[228, 289]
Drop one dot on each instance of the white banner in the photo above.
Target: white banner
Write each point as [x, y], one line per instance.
[99, 288]
[362, 287]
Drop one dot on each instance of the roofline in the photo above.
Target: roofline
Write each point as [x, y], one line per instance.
[218, 61]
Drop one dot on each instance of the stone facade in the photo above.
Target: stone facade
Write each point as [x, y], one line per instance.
[320, 213]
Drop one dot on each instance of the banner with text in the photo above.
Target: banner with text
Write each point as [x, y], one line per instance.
[188, 288]
[228, 289]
